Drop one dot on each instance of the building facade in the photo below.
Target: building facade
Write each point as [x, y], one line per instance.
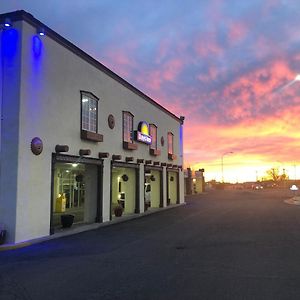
[75, 137]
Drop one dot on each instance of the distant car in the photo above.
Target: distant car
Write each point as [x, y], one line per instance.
[258, 187]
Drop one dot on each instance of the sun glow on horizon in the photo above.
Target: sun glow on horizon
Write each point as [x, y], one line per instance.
[236, 170]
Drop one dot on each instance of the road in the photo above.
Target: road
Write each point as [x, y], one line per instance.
[221, 245]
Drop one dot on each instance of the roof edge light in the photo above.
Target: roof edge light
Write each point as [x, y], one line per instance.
[7, 22]
[40, 31]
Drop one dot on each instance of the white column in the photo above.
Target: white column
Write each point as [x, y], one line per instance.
[141, 184]
[164, 180]
[181, 186]
[106, 190]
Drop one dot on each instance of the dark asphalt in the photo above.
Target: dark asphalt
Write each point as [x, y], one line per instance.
[221, 245]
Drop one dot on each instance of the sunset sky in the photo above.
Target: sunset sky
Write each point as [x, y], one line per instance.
[228, 66]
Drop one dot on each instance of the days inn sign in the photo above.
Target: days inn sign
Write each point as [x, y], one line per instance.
[142, 134]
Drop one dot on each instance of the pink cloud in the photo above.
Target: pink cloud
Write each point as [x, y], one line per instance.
[206, 45]
[237, 32]
[171, 69]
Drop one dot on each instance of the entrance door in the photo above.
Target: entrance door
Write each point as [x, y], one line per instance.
[172, 187]
[75, 192]
[153, 189]
[124, 189]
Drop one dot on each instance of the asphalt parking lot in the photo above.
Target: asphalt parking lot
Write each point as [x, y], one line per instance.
[221, 245]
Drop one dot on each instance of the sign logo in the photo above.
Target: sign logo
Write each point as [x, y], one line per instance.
[142, 134]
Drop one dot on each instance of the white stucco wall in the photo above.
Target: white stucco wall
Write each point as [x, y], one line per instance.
[10, 51]
[51, 79]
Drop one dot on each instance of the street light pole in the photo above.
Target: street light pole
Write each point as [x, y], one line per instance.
[222, 163]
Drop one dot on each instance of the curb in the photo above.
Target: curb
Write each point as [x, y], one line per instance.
[14, 246]
[83, 228]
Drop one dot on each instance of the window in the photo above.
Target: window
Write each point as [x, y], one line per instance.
[127, 127]
[171, 154]
[89, 117]
[153, 147]
[170, 143]
[153, 134]
[128, 131]
[89, 107]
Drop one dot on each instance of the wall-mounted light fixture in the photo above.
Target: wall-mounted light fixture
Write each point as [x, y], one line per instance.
[40, 31]
[7, 22]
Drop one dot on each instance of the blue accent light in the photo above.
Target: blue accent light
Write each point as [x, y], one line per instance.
[181, 139]
[36, 46]
[7, 25]
[9, 42]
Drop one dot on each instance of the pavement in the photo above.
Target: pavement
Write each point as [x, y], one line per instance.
[220, 245]
[81, 227]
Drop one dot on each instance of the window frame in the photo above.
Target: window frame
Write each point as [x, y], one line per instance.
[154, 151]
[171, 155]
[151, 145]
[127, 113]
[172, 150]
[128, 145]
[88, 134]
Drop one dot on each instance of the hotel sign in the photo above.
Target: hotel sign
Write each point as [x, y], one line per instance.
[142, 134]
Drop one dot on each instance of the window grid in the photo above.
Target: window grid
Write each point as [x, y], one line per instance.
[153, 134]
[170, 143]
[89, 113]
[127, 127]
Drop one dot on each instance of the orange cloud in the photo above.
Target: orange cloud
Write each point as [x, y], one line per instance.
[258, 143]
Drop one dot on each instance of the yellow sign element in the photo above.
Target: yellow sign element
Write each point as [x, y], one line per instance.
[144, 128]
[60, 204]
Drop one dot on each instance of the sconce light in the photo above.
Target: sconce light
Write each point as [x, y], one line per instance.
[40, 31]
[7, 22]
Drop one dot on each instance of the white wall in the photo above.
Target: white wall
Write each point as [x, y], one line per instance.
[106, 190]
[10, 61]
[51, 80]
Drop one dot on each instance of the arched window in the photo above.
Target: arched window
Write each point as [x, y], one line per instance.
[127, 127]
[153, 134]
[170, 143]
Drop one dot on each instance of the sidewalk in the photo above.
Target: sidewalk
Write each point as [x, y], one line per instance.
[78, 228]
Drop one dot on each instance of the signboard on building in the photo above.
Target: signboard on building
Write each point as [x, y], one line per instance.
[142, 134]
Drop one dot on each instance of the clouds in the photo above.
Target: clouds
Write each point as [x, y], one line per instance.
[220, 63]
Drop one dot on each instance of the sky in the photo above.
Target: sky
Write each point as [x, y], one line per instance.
[228, 66]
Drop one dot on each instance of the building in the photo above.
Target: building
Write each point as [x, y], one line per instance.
[194, 181]
[75, 137]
